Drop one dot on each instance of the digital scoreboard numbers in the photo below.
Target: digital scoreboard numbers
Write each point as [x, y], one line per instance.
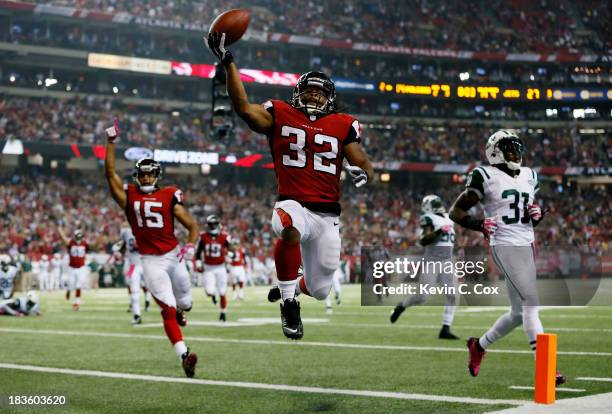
[493, 93]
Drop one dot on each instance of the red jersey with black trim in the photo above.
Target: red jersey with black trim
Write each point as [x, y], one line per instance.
[213, 248]
[151, 217]
[308, 152]
[77, 252]
[238, 257]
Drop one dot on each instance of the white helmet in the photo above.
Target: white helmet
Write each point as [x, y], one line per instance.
[78, 234]
[432, 204]
[45, 257]
[502, 143]
[5, 260]
[32, 296]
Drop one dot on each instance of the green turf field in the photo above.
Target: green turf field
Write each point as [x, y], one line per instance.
[248, 361]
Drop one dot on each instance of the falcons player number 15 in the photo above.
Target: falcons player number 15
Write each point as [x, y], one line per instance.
[299, 159]
[152, 219]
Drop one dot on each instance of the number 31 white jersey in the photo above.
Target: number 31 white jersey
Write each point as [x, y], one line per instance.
[506, 198]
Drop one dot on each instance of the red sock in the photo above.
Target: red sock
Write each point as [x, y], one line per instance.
[287, 257]
[223, 302]
[144, 289]
[78, 293]
[303, 288]
[171, 326]
[241, 284]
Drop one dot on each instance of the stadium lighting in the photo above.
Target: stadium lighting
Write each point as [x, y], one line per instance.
[115, 89]
[50, 82]
[385, 177]
[464, 76]
[68, 87]
[12, 78]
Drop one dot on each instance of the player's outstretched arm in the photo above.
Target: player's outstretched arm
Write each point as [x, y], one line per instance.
[114, 181]
[63, 236]
[256, 116]
[357, 157]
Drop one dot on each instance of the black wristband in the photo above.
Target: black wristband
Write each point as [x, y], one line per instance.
[228, 58]
[471, 223]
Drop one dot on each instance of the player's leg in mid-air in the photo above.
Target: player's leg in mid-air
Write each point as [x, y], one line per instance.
[238, 279]
[289, 225]
[171, 290]
[518, 267]
[337, 277]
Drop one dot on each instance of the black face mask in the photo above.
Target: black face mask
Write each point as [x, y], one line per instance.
[512, 148]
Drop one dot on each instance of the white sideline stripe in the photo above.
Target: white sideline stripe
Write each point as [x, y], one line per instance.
[400, 325]
[257, 385]
[525, 387]
[594, 379]
[287, 343]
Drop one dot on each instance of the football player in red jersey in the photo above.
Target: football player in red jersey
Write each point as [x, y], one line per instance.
[151, 211]
[78, 273]
[213, 245]
[237, 256]
[309, 140]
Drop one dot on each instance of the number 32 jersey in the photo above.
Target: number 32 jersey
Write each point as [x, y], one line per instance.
[506, 198]
[308, 152]
[151, 218]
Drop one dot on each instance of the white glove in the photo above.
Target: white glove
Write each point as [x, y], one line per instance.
[535, 212]
[359, 176]
[112, 133]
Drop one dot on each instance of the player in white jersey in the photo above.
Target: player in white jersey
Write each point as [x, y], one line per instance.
[506, 191]
[24, 306]
[438, 238]
[132, 271]
[43, 273]
[55, 272]
[8, 273]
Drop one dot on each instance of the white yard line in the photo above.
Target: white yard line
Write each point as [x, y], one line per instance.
[594, 379]
[257, 385]
[286, 343]
[526, 387]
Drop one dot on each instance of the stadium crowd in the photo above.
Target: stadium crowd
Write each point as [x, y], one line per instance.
[82, 120]
[33, 206]
[498, 25]
[348, 64]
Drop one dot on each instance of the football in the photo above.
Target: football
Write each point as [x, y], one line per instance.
[233, 23]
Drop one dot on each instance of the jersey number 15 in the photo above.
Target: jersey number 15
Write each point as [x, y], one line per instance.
[152, 219]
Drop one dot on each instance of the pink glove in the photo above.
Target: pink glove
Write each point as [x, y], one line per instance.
[489, 227]
[187, 252]
[535, 212]
[112, 133]
[446, 228]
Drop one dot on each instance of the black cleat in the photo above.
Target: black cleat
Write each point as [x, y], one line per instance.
[560, 379]
[396, 313]
[181, 319]
[137, 320]
[147, 304]
[338, 301]
[189, 363]
[222, 317]
[274, 294]
[445, 333]
[290, 319]
[213, 298]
